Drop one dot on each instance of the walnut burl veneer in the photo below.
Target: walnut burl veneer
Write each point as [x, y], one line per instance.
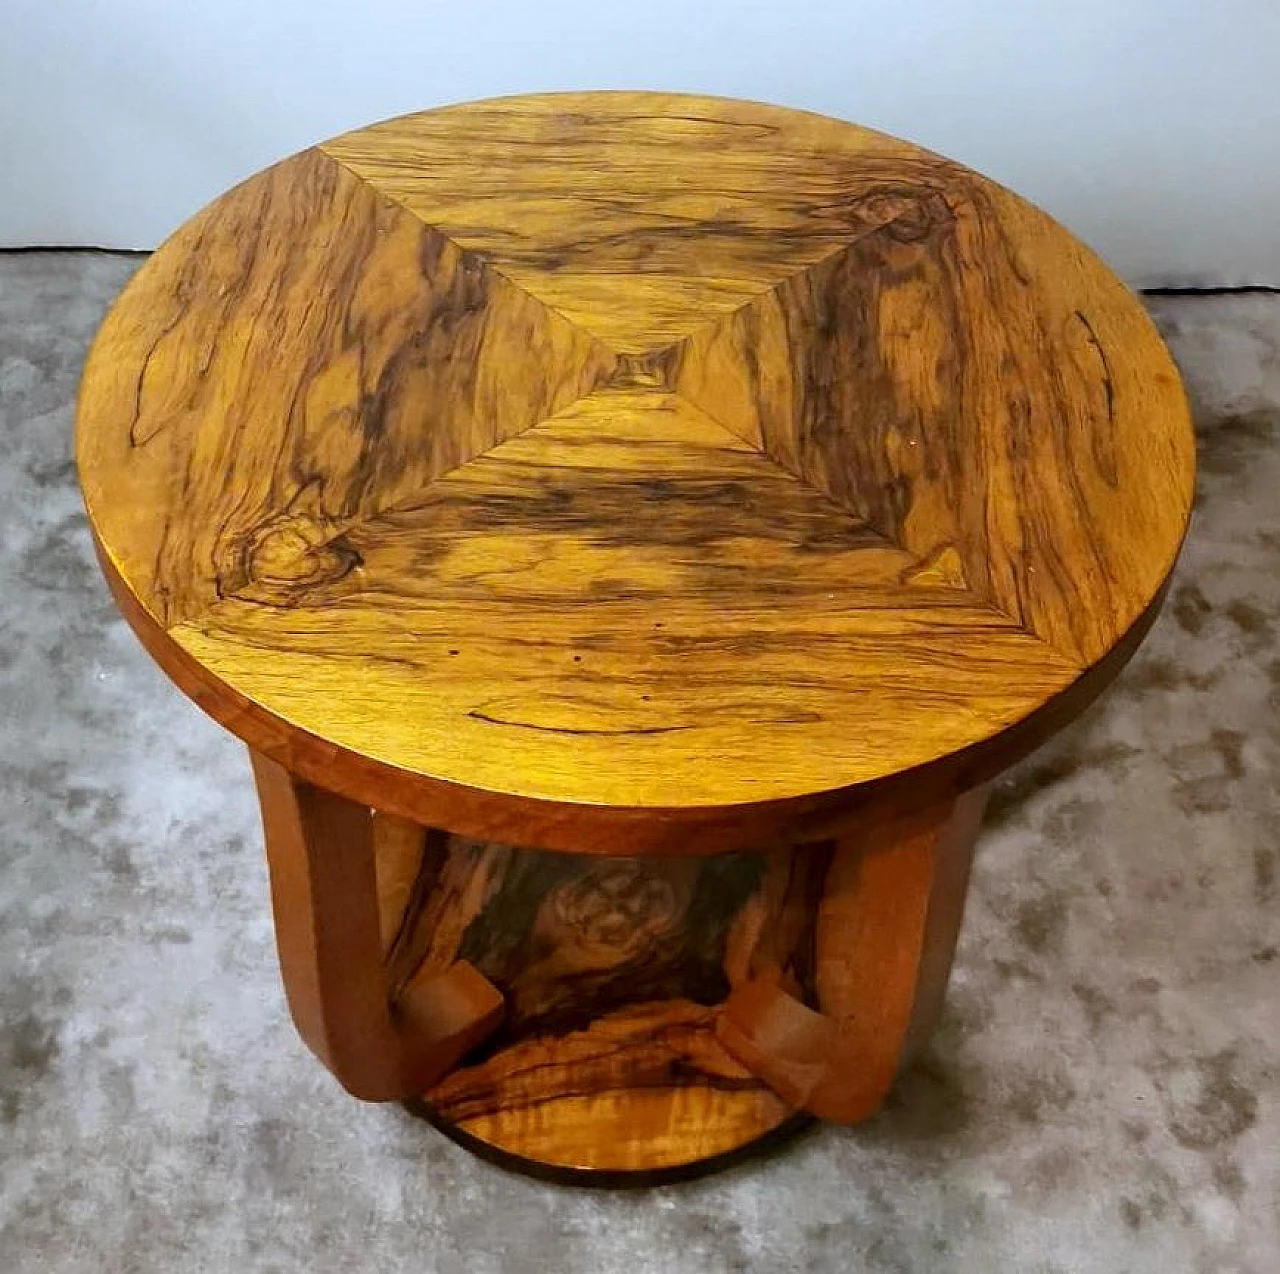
[707, 499]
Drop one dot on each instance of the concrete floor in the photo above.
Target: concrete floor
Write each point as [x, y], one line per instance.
[1104, 1094]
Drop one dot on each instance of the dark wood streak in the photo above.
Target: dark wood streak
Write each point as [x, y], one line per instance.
[487, 714]
[584, 949]
[1106, 366]
[670, 1047]
[569, 939]
[1104, 452]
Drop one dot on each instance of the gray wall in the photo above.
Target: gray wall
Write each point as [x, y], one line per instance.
[1151, 127]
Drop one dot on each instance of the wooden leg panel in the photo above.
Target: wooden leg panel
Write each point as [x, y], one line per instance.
[886, 931]
[332, 930]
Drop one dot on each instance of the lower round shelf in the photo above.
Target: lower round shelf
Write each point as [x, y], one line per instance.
[644, 1091]
[634, 1138]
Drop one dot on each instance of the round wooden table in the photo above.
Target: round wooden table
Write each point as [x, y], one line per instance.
[628, 531]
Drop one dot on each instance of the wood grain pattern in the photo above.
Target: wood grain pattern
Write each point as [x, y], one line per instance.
[747, 460]
[667, 579]
[644, 1090]
[612, 973]
[300, 355]
[973, 416]
[686, 207]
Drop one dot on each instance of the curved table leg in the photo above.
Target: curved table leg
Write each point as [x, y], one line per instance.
[886, 933]
[332, 936]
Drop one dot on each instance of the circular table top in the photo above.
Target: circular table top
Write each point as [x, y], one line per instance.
[591, 456]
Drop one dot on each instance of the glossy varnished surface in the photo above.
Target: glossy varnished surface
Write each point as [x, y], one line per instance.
[639, 216]
[628, 581]
[631, 451]
[612, 974]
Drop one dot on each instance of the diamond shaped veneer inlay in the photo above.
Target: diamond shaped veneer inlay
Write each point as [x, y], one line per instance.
[641, 217]
[298, 356]
[634, 450]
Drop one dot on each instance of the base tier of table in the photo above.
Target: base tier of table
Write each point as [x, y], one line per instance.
[578, 1014]
[640, 1136]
